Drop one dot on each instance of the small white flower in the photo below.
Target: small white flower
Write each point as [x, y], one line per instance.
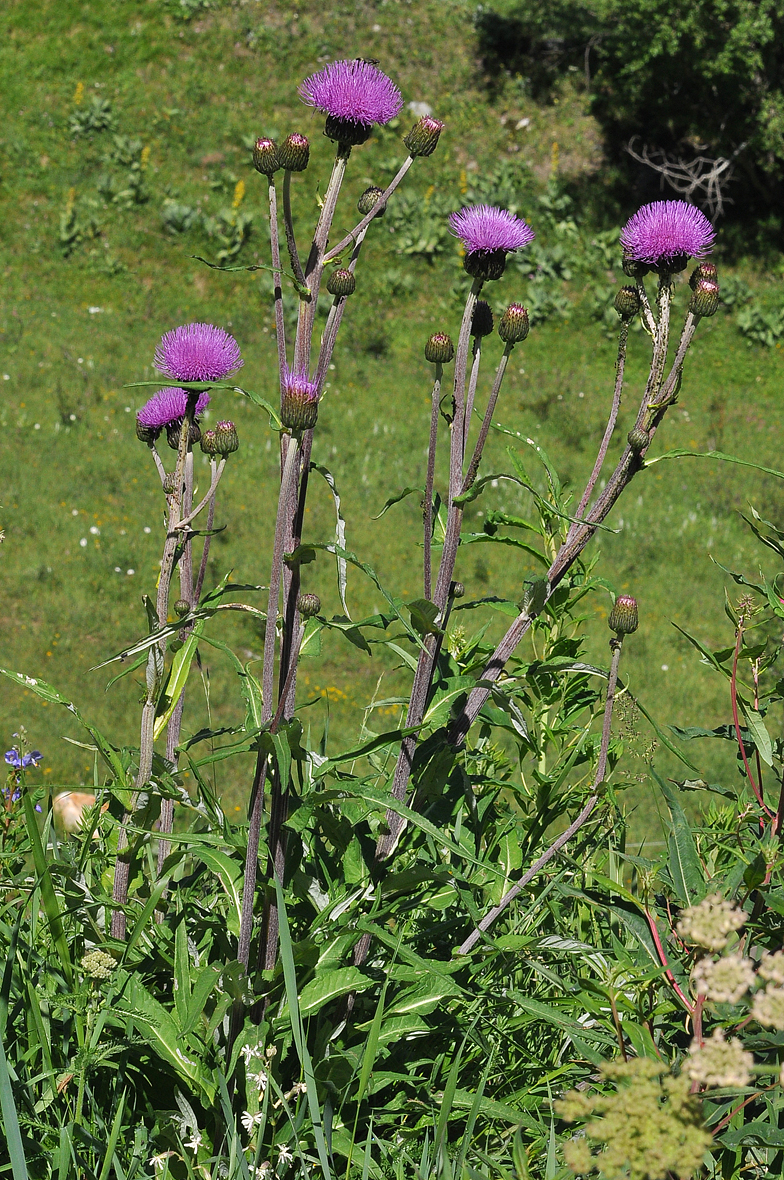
[249, 1052]
[285, 1155]
[195, 1141]
[260, 1080]
[249, 1121]
[157, 1161]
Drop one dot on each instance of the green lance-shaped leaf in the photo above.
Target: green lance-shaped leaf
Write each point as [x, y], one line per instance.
[328, 985]
[178, 677]
[340, 533]
[685, 865]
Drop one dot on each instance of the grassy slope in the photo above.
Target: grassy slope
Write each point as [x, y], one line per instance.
[192, 92]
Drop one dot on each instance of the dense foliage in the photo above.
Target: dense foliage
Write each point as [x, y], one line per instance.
[687, 79]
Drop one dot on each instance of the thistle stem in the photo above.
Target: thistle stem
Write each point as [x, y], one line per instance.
[288, 224]
[430, 480]
[378, 208]
[280, 326]
[601, 770]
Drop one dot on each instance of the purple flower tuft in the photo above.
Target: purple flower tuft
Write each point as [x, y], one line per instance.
[168, 405]
[666, 231]
[22, 762]
[483, 229]
[198, 352]
[354, 91]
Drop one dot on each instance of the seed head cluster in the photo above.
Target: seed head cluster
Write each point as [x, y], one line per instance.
[768, 1008]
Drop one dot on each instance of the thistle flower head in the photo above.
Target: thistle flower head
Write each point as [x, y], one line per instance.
[724, 982]
[166, 406]
[718, 1062]
[198, 352]
[352, 92]
[665, 233]
[299, 403]
[483, 229]
[710, 923]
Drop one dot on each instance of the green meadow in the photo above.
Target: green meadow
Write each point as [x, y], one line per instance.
[124, 153]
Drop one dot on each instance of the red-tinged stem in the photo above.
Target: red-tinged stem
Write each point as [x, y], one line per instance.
[427, 516]
[729, 1117]
[665, 962]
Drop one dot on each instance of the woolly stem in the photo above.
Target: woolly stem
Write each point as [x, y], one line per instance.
[427, 517]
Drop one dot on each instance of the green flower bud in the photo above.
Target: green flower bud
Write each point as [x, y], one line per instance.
[457, 590]
[181, 607]
[226, 439]
[485, 264]
[207, 442]
[482, 319]
[705, 300]
[369, 200]
[627, 303]
[703, 270]
[633, 268]
[147, 434]
[623, 616]
[439, 349]
[173, 434]
[514, 325]
[98, 965]
[266, 157]
[294, 152]
[637, 440]
[308, 605]
[422, 139]
[341, 282]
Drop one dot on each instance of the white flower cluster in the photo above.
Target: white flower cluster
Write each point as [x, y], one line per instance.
[725, 981]
[710, 923]
[718, 1062]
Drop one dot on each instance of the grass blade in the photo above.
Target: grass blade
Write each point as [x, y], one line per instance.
[11, 1121]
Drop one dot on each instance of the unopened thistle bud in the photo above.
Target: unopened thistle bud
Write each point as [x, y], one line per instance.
[299, 404]
[704, 270]
[514, 324]
[705, 300]
[182, 608]
[208, 442]
[482, 319]
[341, 282]
[173, 434]
[637, 440]
[485, 264]
[226, 439]
[422, 139]
[369, 199]
[147, 434]
[457, 590]
[294, 152]
[308, 605]
[627, 303]
[169, 484]
[266, 156]
[439, 349]
[633, 268]
[623, 616]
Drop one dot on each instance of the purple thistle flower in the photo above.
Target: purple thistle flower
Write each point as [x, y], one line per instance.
[198, 352]
[299, 401]
[484, 229]
[352, 92]
[168, 405]
[667, 232]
